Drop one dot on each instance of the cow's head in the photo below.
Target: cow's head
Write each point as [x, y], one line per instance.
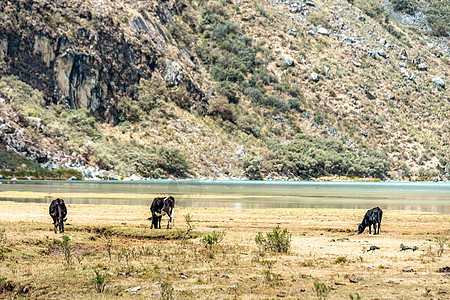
[168, 203]
[361, 228]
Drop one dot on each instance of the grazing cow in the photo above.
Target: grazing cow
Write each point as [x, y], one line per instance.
[372, 217]
[159, 205]
[58, 212]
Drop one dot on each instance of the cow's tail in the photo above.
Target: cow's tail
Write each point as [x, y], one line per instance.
[173, 210]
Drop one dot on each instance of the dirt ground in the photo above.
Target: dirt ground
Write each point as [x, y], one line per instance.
[118, 243]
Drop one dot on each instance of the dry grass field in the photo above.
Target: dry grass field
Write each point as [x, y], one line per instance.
[118, 243]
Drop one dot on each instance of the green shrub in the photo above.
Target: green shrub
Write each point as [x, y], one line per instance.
[372, 8]
[214, 238]
[221, 107]
[295, 103]
[276, 102]
[173, 160]
[340, 260]
[251, 165]
[321, 290]
[441, 241]
[229, 90]
[277, 241]
[82, 123]
[407, 6]
[65, 246]
[166, 291]
[230, 55]
[394, 32]
[255, 95]
[318, 19]
[438, 14]
[248, 125]
[99, 281]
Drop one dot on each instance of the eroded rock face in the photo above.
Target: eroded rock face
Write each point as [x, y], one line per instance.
[91, 66]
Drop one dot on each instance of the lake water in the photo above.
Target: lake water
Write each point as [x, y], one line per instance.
[421, 197]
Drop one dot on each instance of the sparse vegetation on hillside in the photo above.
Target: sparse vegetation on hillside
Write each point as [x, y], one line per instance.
[312, 157]
[76, 131]
[15, 166]
[213, 89]
[438, 14]
[407, 6]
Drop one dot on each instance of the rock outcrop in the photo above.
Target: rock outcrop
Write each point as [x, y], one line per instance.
[90, 64]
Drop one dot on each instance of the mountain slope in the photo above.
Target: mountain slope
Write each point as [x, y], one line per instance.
[238, 87]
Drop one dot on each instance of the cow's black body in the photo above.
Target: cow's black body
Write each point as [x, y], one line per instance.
[160, 205]
[372, 217]
[58, 212]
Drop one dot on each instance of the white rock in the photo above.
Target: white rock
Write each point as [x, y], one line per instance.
[134, 289]
[323, 31]
[356, 64]
[438, 81]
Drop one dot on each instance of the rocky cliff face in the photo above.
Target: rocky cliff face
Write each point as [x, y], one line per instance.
[83, 55]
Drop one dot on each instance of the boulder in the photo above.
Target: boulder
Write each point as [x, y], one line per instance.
[422, 67]
[363, 132]
[438, 81]
[5, 128]
[323, 31]
[314, 77]
[389, 96]
[34, 122]
[407, 74]
[287, 61]
[173, 73]
[293, 32]
[382, 53]
[356, 64]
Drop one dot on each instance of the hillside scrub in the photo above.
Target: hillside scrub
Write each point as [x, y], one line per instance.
[220, 81]
[439, 17]
[407, 6]
[312, 157]
[77, 131]
[15, 166]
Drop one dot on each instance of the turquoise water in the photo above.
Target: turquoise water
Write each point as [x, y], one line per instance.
[421, 197]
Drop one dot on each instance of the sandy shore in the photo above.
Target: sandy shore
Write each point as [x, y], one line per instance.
[33, 263]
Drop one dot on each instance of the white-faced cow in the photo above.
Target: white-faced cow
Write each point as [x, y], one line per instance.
[58, 212]
[372, 217]
[160, 205]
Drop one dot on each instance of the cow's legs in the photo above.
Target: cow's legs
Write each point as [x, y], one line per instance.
[379, 225]
[173, 215]
[152, 220]
[169, 225]
[370, 230]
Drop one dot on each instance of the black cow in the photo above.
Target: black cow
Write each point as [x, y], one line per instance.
[58, 212]
[372, 217]
[159, 205]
